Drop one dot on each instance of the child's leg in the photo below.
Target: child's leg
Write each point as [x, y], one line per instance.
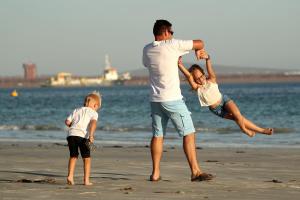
[87, 170]
[250, 125]
[73, 148]
[71, 169]
[86, 158]
[238, 117]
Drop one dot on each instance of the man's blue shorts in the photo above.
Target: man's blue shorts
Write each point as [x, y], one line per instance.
[179, 114]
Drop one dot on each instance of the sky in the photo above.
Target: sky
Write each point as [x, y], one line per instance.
[74, 35]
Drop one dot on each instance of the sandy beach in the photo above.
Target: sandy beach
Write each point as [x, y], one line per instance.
[38, 171]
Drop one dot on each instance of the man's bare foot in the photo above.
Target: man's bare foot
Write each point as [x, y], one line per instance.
[268, 131]
[88, 183]
[202, 177]
[70, 181]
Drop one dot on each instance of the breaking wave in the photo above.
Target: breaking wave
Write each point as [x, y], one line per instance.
[226, 130]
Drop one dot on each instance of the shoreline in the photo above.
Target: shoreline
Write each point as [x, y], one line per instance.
[125, 144]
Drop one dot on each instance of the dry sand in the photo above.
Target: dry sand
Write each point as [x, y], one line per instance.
[38, 171]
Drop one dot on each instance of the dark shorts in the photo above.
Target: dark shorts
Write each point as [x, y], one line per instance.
[220, 110]
[75, 142]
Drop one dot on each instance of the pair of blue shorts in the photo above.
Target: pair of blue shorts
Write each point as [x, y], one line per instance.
[220, 110]
[179, 114]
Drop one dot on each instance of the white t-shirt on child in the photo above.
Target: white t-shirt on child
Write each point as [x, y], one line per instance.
[80, 119]
[161, 59]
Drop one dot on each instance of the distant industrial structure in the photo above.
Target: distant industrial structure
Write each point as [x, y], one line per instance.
[29, 71]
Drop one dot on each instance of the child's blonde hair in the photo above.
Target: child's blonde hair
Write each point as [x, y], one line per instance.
[95, 95]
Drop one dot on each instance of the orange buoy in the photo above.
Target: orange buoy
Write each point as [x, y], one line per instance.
[14, 93]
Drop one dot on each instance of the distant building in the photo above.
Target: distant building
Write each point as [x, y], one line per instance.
[29, 71]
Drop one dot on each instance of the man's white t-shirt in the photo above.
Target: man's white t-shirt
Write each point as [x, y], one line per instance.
[161, 59]
[80, 119]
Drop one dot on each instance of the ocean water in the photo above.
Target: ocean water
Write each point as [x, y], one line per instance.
[38, 114]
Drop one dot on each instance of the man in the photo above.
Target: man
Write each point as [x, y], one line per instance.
[161, 58]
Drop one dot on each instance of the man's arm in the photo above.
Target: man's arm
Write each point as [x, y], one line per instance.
[198, 45]
[92, 126]
[187, 74]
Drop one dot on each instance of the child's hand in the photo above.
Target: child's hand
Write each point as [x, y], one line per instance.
[180, 61]
[91, 139]
[201, 54]
[68, 123]
[205, 55]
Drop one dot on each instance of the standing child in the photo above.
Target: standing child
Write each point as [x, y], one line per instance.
[209, 95]
[82, 124]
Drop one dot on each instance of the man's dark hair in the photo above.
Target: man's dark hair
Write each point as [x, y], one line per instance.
[161, 26]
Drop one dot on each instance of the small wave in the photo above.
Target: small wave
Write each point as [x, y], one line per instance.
[284, 130]
[9, 127]
[224, 130]
[229, 130]
[56, 128]
[124, 129]
[30, 127]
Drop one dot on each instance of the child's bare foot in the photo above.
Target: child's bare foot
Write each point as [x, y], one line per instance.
[70, 181]
[88, 183]
[268, 131]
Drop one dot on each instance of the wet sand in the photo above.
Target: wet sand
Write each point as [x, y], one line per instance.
[38, 171]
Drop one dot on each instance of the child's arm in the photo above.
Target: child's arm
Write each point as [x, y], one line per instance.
[187, 74]
[69, 119]
[92, 126]
[211, 73]
[68, 123]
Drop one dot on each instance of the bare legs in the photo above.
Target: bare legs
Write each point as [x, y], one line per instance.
[189, 150]
[246, 125]
[87, 171]
[156, 154]
[71, 170]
